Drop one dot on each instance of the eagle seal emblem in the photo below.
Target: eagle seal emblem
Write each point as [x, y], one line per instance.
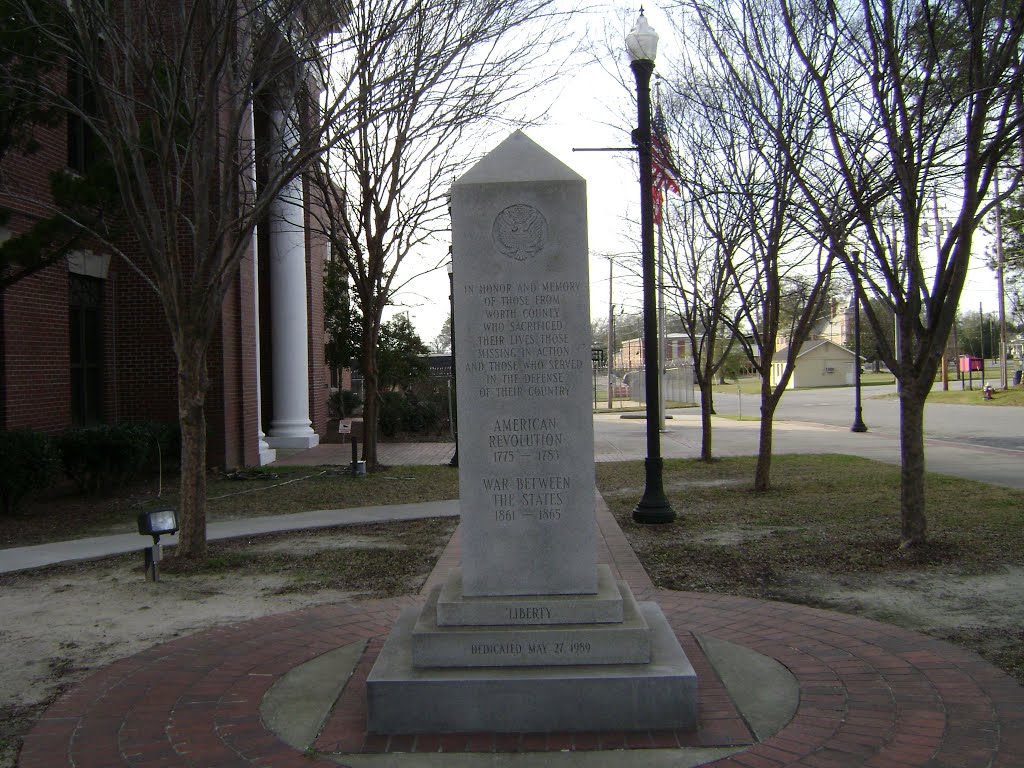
[520, 232]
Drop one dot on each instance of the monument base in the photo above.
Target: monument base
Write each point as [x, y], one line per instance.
[455, 609]
[531, 645]
[661, 694]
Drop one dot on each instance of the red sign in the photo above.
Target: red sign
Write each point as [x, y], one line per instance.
[968, 364]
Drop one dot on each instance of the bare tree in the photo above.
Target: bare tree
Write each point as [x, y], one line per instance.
[916, 97]
[703, 237]
[446, 75]
[174, 86]
[913, 98]
[760, 134]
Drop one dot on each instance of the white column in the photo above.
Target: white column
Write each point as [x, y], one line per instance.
[291, 426]
[267, 454]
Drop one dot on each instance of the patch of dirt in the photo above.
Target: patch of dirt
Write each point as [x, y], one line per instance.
[945, 589]
[939, 602]
[724, 537]
[62, 623]
[982, 612]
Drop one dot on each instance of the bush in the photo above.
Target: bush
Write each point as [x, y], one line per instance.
[163, 443]
[422, 409]
[343, 403]
[28, 462]
[391, 417]
[107, 456]
[350, 402]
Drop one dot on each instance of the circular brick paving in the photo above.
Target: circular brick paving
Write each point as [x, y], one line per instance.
[870, 695]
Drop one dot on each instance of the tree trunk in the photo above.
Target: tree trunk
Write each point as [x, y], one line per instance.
[371, 403]
[705, 419]
[762, 474]
[913, 523]
[192, 386]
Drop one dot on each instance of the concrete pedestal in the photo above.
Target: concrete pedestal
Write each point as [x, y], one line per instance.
[402, 698]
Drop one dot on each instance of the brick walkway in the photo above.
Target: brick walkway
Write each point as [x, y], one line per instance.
[870, 694]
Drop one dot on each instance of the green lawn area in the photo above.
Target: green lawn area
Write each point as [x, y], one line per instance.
[1013, 396]
[751, 385]
[268, 491]
[827, 532]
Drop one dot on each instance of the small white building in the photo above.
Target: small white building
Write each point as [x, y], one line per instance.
[819, 363]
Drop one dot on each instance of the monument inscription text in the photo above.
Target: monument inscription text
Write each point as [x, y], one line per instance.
[522, 329]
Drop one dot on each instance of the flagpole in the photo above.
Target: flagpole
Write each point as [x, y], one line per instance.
[664, 164]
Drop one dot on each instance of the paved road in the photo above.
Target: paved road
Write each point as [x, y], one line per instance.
[992, 427]
[975, 443]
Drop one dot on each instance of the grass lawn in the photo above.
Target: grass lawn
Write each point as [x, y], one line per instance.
[62, 514]
[828, 520]
[751, 385]
[1013, 396]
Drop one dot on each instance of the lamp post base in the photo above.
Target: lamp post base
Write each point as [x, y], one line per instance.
[858, 423]
[653, 507]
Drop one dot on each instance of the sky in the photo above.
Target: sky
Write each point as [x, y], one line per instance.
[581, 117]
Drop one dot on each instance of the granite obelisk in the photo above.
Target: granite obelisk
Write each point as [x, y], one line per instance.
[530, 633]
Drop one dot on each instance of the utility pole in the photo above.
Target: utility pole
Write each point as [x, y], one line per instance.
[938, 259]
[1003, 383]
[981, 342]
[611, 331]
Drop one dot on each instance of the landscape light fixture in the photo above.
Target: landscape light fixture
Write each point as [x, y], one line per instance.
[642, 43]
[156, 523]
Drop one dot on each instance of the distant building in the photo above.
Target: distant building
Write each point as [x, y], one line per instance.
[838, 328]
[630, 354]
[819, 363]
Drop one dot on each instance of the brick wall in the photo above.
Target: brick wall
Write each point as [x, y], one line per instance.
[37, 366]
[34, 323]
[140, 369]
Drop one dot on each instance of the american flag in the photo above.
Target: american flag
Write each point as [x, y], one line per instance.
[664, 170]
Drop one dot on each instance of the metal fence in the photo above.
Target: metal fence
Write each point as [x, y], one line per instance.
[629, 389]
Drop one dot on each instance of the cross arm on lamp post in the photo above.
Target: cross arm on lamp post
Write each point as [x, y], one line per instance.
[653, 506]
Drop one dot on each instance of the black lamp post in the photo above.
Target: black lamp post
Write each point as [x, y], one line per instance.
[858, 421]
[642, 43]
[451, 301]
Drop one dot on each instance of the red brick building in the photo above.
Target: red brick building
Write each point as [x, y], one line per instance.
[85, 340]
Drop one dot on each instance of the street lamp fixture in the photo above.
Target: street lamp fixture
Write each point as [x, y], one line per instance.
[858, 420]
[642, 43]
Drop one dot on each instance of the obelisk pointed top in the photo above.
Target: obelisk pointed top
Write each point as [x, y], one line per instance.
[518, 159]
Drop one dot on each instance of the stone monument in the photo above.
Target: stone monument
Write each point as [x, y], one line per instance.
[530, 634]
